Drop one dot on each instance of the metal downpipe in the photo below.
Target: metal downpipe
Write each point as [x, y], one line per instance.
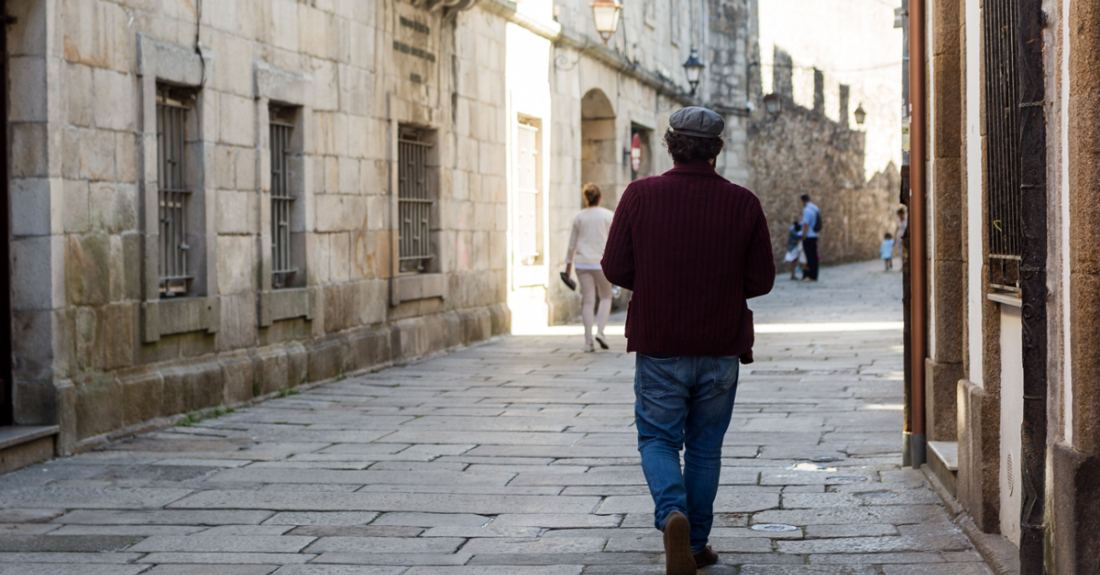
[918, 229]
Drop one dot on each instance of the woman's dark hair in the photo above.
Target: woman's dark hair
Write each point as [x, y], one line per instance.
[591, 194]
[684, 149]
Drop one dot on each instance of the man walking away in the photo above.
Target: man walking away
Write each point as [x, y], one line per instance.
[811, 225]
[693, 247]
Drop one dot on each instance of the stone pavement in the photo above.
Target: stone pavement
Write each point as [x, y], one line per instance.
[515, 457]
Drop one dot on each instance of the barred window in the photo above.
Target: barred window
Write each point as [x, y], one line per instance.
[1004, 221]
[172, 194]
[415, 199]
[282, 200]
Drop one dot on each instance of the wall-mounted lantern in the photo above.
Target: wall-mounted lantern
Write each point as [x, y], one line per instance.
[860, 114]
[773, 104]
[693, 67]
[606, 16]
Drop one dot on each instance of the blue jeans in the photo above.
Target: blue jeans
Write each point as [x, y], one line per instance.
[684, 402]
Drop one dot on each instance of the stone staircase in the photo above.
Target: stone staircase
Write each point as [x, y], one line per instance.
[25, 445]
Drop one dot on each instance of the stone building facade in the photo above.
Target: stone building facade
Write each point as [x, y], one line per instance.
[1010, 375]
[213, 206]
[209, 206]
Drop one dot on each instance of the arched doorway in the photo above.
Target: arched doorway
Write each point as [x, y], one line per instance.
[599, 157]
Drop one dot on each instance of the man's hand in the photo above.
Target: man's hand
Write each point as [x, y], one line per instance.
[568, 270]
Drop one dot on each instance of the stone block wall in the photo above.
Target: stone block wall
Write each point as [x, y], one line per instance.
[803, 152]
[100, 351]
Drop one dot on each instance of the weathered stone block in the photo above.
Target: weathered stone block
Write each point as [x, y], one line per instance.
[237, 377]
[29, 157]
[336, 212]
[237, 264]
[27, 71]
[192, 385]
[131, 264]
[238, 212]
[284, 17]
[87, 265]
[98, 404]
[33, 337]
[96, 156]
[370, 348]
[236, 122]
[112, 207]
[112, 92]
[126, 155]
[32, 206]
[142, 391]
[271, 370]
[237, 325]
[325, 359]
[118, 335]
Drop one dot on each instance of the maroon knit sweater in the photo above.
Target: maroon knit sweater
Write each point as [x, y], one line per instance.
[693, 247]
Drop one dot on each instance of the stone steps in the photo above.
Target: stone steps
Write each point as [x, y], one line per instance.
[25, 445]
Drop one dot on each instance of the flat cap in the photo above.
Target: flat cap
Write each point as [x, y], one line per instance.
[698, 122]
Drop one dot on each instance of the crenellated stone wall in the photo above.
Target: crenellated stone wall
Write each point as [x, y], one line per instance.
[800, 152]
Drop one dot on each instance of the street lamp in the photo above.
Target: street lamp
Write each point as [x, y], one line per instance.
[694, 69]
[773, 104]
[606, 15]
[860, 114]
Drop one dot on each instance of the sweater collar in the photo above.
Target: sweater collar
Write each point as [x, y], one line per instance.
[693, 168]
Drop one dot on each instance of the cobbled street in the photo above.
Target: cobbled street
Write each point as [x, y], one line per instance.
[515, 457]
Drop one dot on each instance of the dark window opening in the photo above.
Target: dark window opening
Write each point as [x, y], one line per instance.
[173, 194]
[1004, 218]
[415, 199]
[282, 199]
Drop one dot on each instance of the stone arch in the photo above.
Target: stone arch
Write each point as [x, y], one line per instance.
[599, 160]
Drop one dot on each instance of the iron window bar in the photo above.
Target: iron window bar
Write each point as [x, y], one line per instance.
[1004, 220]
[282, 204]
[415, 201]
[173, 197]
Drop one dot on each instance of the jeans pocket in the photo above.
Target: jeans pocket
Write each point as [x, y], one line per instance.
[727, 370]
[656, 374]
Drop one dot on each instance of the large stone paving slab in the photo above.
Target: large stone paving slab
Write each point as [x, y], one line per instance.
[517, 457]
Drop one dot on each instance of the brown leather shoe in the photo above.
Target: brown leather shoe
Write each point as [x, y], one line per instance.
[678, 557]
[706, 557]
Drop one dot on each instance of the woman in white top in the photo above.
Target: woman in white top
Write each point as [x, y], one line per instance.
[586, 243]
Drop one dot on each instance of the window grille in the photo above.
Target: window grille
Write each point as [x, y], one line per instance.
[173, 196]
[282, 202]
[415, 200]
[527, 194]
[1002, 77]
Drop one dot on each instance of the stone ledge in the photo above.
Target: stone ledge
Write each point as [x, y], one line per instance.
[12, 436]
[277, 305]
[943, 462]
[183, 315]
[24, 446]
[421, 286]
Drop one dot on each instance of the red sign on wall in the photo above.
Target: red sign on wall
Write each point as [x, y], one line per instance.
[636, 153]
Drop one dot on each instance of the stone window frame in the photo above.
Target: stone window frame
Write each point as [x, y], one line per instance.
[405, 287]
[273, 87]
[159, 64]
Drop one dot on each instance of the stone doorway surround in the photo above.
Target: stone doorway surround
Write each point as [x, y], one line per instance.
[6, 412]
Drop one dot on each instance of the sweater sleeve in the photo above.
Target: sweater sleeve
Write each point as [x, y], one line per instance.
[759, 262]
[618, 255]
[571, 252]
